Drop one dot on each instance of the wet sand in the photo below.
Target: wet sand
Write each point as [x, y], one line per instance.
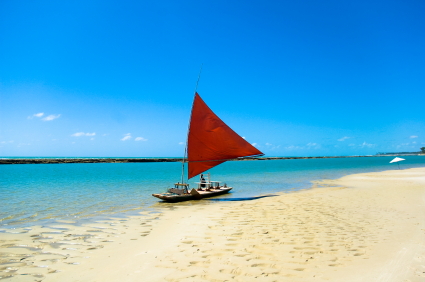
[363, 227]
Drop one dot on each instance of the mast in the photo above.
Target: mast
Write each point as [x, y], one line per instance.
[188, 125]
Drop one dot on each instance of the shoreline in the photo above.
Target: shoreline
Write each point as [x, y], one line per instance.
[147, 160]
[361, 227]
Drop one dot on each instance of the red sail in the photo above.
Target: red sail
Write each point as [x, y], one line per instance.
[211, 142]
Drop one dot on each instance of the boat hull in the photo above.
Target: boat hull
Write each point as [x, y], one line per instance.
[169, 197]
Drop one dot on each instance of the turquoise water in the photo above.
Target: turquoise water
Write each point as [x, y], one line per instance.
[38, 193]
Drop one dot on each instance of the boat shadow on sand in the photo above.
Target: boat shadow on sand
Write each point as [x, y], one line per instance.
[239, 199]
[209, 200]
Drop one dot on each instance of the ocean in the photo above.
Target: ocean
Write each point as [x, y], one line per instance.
[39, 194]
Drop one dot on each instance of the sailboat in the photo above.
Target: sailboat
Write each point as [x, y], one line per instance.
[210, 142]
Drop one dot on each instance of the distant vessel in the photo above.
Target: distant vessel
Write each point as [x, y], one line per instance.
[210, 142]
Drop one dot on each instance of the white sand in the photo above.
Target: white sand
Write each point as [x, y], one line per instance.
[364, 227]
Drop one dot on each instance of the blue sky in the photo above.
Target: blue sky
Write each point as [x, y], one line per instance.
[297, 78]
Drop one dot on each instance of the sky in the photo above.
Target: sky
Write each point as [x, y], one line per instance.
[295, 78]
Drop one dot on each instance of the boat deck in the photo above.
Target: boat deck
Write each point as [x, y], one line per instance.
[193, 195]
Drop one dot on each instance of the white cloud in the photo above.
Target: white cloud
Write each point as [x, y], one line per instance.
[363, 145]
[126, 137]
[367, 145]
[51, 117]
[36, 115]
[254, 144]
[408, 145]
[293, 147]
[48, 118]
[272, 147]
[140, 139]
[182, 143]
[413, 136]
[313, 145]
[243, 137]
[78, 134]
[344, 138]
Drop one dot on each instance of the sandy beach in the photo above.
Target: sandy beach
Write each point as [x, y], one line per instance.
[362, 227]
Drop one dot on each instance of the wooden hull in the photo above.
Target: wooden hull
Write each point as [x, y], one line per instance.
[169, 197]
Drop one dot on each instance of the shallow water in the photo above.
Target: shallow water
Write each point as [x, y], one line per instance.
[38, 193]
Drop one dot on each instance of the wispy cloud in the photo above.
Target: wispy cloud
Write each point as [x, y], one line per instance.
[140, 139]
[39, 115]
[51, 117]
[344, 138]
[413, 136]
[48, 118]
[405, 145]
[367, 145]
[254, 144]
[78, 134]
[363, 145]
[313, 145]
[293, 147]
[270, 146]
[126, 137]
[182, 143]
[308, 146]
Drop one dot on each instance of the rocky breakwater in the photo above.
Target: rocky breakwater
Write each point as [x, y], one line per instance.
[144, 160]
[87, 160]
